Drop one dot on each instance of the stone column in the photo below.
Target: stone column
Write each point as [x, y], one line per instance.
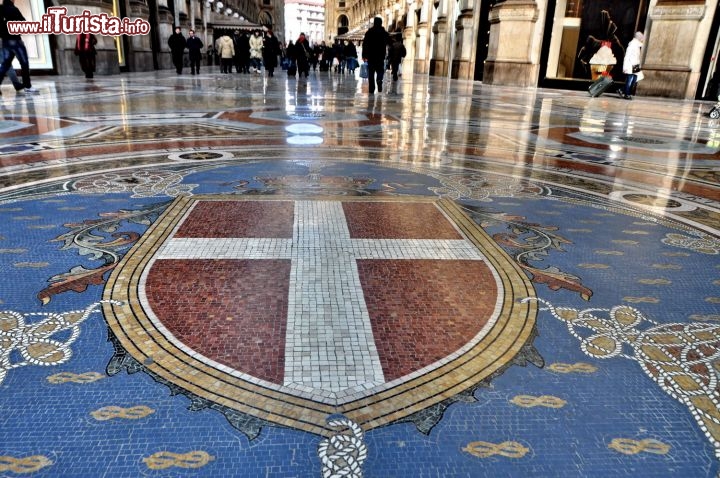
[513, 56]
[675, 42]
[107, 56]
[409, 40]
[467, 30]
[176, 10]
[140, 56]
[422, 40]
[442, 38]
[165, 29]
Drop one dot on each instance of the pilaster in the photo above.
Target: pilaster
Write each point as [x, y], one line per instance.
[464, 62]
[107, 57]
[139, 57]
[674, 46]
[421, 48]
[439, 60]
[511, 60]
[408, 65]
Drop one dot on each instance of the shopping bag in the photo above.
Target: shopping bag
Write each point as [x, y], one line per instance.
[364, 70]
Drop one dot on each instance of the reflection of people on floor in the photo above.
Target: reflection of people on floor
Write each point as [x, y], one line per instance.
[85, 51]
[631, 64]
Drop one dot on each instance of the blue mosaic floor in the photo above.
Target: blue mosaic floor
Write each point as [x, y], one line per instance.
[604, 214]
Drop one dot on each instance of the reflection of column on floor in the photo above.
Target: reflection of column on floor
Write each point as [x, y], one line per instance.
[542, 111]
[675, 162]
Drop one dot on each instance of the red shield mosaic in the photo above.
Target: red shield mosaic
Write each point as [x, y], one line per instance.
[291, 310]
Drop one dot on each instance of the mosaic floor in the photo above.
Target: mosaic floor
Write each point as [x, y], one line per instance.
[223, 275]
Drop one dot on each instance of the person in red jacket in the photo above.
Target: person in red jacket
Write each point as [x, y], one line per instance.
[85, 50]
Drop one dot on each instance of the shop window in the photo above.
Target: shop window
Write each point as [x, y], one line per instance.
[589, 38]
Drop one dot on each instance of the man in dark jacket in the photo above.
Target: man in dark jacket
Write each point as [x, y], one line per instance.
[236, 43]
[13, 45]
[374, 48]
[243, 52]
[271, 50]
[194, 45]
[177, 44]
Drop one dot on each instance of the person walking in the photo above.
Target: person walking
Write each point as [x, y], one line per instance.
[631, 64]
[396, 53]
[177, 44]
[374, 49]
[271, 50]
[256, 46]
[226, 50]
[13, 46]
[85, 51]
[243, 52]
[194, 45]
[11, 74]
[236, 45]
[302, 55]
[351, 56]
[323, 52]
[338, 50]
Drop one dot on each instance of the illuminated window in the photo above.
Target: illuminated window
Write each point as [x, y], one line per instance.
[589, 38]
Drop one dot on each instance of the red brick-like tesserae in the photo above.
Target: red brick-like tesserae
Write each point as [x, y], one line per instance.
[231, 311]
[423, 310]
[250, 219]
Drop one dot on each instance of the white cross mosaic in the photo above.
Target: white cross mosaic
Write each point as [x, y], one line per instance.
[329, 340]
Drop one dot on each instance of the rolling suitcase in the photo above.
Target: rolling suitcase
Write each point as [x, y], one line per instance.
[600, 86]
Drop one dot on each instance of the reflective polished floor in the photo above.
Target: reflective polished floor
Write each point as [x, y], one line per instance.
[233, 275]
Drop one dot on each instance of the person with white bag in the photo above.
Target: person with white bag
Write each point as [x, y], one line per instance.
[631, 64]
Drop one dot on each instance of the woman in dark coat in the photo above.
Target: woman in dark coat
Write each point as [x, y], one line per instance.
[271, 50]
[350, 56]
[177, 44]
[302, 55]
